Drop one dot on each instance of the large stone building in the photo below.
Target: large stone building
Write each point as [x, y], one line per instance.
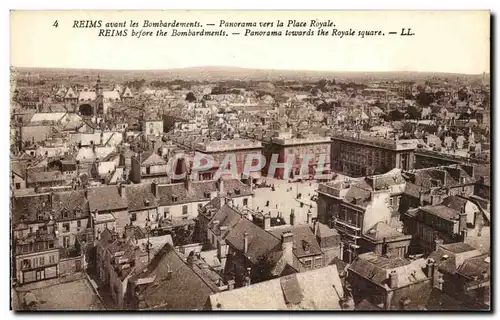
[283, 149]
[358, 155]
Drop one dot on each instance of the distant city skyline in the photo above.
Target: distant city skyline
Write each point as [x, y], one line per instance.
[445, 42]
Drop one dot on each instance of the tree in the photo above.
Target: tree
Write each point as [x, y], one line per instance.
[413, 113]
[190, 97]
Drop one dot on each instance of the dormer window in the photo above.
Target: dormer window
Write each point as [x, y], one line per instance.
[207, 195]
[40, 217]
[174, 198]
[237, 191]
[146, 202]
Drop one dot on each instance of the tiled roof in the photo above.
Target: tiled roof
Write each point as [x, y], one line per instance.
[29, 207]
[304, 241]
[227, 217]
[73, 202]
[260, 242]
[312, 290]
[140, 197]
[381, 231]
[450, 257]
[105, 198]
[45, 176]
[186, 290]
[375, 268]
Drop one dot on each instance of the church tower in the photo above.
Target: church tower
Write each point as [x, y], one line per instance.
[99, 99]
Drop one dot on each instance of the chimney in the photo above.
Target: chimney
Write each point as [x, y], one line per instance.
[267, 221]
[190, 259]
[154, 188]
[245, 242]
[438, 242]
[404, 303]
[478, 222]
[462, 219]
[393, 279]
[220, 186]
[287, 246]
[187, 182]
[169, 273]
[292, 217]
[230, 284]
[121, 190]
[248, 279]
[430, 268]
[309, 215]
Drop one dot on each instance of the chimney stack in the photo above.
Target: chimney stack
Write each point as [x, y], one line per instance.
[287, 246]
[462, 219]
[187, 182]
[438, 242]
[245, 242]
[309, 215]
[267, 221]
[154, 188]
[121, 190]
[393, 279]
[248, 279]
[430, 268]
[220, 186]
[230, 284]
[292, 217]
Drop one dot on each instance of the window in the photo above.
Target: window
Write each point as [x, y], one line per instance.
[200, 205]
[66, 227]
[51, 244]
[184, 209]
[174, 198]
[42, 261]
[18, 185]
[166, 212]
[318, 262]
[78, 223]
[308, 264]
[66, 242]
[245, 202]
[26, 264]
[148, 170]
[133, 217]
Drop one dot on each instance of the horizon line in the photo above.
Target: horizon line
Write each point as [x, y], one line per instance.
[256, 69]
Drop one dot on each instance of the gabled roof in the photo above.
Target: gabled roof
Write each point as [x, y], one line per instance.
[376, 268]
[185, 290]
[72, 202]
[318, 289]
[140, 197]
[260, 242]
[105, 198]
[382, 230]
[28, 207]
[150, 158]
[449, 257]
[304, 241]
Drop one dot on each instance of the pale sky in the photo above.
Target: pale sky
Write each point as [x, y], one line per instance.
[444, 41]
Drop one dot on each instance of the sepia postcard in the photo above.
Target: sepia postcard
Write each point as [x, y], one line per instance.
[250, 160]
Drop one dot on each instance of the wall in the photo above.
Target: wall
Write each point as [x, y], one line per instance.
[71, 265]
[72, 232]
[175, 211]
[35, 262]
[378, 210]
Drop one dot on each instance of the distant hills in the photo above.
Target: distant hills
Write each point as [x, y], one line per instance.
[216, 73]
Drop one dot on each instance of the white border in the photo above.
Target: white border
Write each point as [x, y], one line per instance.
[193, 4]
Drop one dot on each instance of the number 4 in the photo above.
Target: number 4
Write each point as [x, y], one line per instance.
[56, 24]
